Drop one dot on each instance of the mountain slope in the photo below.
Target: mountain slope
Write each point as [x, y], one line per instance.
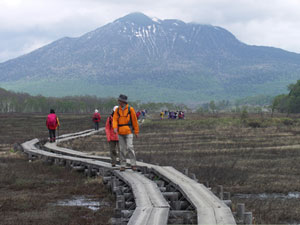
[153, 60]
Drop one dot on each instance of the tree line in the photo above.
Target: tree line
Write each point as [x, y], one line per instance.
[12, 102]
[288, 103]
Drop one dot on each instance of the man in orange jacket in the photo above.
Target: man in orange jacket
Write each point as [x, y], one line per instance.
[124, 121]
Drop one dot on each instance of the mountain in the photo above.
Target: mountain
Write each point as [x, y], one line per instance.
[153, 60]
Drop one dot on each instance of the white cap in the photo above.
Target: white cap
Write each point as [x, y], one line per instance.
[96, 110]
[115, 107]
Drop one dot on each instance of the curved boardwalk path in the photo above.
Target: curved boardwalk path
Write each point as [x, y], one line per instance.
[157, 195]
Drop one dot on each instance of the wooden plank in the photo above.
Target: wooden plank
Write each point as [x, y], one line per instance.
[154, 193]
[30, 148]
[159, 216]
[151, 206]
[79, 134]
[140, 216]
[140, 193]
[210, 209]
[55, 148]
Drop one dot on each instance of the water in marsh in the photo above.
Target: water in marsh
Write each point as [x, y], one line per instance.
[82, 201]
[290, 195]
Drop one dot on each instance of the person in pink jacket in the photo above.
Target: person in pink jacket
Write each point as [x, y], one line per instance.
[112, 138]
[52, 124]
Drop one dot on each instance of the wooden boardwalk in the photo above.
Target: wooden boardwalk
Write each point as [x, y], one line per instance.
[162, 195]
[210, 209]
[151, 206]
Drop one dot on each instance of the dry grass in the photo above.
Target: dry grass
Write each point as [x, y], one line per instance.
[29, 191]
[223, 149]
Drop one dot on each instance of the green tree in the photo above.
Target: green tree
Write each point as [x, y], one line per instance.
[294, 98]
[280, 103]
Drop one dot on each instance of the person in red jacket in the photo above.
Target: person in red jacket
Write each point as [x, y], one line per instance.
[52, 124]
[138, 114]
[112, 138]
[96, 119]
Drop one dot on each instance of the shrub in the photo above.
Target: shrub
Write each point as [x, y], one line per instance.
[288, 122]
[254, 124]
[244, 115]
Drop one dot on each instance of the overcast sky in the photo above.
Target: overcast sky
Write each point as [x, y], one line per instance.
[29, 24]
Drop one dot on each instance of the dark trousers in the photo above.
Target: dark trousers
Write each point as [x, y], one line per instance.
[52, 135]
[96, 125]
[113, 145]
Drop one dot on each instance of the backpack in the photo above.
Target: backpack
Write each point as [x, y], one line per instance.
[52, 121]
[129, 113]
[96, 117]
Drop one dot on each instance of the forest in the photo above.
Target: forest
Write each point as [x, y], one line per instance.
[12, 102]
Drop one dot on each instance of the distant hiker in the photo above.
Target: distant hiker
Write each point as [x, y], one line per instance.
[172, 115]
[180, 115]
[112, 138]
[143, 113]
[124, 120]
[96, 119]
[138, 115]
[52, 124]
[162, 115]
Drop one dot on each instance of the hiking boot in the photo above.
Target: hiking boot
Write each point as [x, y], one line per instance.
[134, 168]
[122, 169]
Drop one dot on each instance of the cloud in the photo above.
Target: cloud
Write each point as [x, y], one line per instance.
[268, 22]
[20, 44]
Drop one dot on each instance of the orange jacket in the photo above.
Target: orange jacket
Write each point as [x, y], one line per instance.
[121, 119]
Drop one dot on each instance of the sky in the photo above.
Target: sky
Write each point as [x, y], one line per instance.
[26, 25]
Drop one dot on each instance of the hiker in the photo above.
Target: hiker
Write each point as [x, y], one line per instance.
[179, 115]
[124, 120]
[172, 115]
[96, 119]
[143, 113]
[138, 114]
[112, 138]
[52, 124]
[161, 115]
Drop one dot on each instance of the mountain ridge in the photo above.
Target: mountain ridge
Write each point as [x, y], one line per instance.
[153, 60]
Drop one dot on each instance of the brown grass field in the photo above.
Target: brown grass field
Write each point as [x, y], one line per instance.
[253, 155]
[30, 191]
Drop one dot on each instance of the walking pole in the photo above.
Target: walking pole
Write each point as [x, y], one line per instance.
[57, 134]
[57, 120]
